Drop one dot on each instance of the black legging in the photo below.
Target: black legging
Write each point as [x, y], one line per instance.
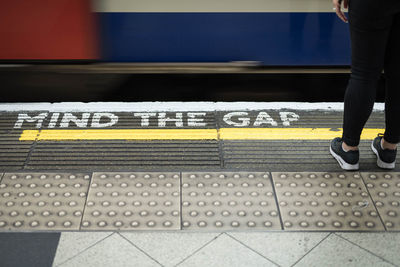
[375, 41]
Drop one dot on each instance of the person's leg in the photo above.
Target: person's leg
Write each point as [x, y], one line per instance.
[369, 36]
[392, 74]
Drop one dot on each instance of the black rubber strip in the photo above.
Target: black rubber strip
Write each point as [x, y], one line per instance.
[28, 249]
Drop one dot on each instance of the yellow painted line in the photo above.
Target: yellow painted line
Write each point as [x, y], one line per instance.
[191, 134]
[29, 135]
[288, 133]
[121, 134]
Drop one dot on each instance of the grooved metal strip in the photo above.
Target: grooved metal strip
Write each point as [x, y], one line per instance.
[233, 148]
[42, 201]
[13, 154]
[385, 191]
[286, 145]
[10, 136]
[325, 202]
[130, 201]
[228, 200]
[7, 120]
[118, 154]
[9, 144]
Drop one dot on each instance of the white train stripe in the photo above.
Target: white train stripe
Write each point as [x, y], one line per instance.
[172, 106]
[212, 5]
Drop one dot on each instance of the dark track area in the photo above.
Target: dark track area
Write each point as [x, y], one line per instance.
[20, 85]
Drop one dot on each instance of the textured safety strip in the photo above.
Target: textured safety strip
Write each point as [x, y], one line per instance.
[38, 201]
[128, 201]
[325, 201]
[227, 200]
[216, 201]
[385, 191]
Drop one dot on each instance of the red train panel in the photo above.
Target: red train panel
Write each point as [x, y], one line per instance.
[47, 30]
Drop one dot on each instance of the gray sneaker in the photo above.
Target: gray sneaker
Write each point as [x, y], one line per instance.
[347, 160]
[386, 158]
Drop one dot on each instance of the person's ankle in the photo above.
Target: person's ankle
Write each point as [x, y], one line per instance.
[348, 148]
[387, 145]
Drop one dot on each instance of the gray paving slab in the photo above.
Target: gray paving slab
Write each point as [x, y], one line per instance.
[73, 243]
[384, 245]
[335, 251]
[42, 201]
[385, 191]
[225, 251]
[228, 200]
[325, 202]
[131, 201]
[169, 249]
[283, 248]
[112, 251]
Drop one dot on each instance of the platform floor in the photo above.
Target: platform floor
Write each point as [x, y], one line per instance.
[228, 184]
[157, 138]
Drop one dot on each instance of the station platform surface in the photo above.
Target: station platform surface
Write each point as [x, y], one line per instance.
[208, 176]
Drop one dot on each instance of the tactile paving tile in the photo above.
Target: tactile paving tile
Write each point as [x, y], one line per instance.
[325, 202]
[228, 201]
[129, 201]
[42, 201]
[385, 191]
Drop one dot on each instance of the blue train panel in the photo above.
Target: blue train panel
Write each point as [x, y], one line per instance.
[275, 39]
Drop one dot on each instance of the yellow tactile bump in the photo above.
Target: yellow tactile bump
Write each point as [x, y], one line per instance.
[131, 201]
[228, 201]
[325, 202]
[385, 191]
[42, 201]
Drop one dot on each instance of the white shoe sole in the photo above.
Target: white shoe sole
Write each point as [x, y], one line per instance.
[380, 163]
[344, 165]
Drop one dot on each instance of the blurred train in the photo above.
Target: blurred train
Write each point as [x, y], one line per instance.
[272, 32]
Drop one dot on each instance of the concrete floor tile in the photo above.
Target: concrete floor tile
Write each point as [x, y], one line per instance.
[385, 245]
[72, 243]
[113, 251]
[169, 248]
[335, 251]
[270, 245]
[225, 251]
